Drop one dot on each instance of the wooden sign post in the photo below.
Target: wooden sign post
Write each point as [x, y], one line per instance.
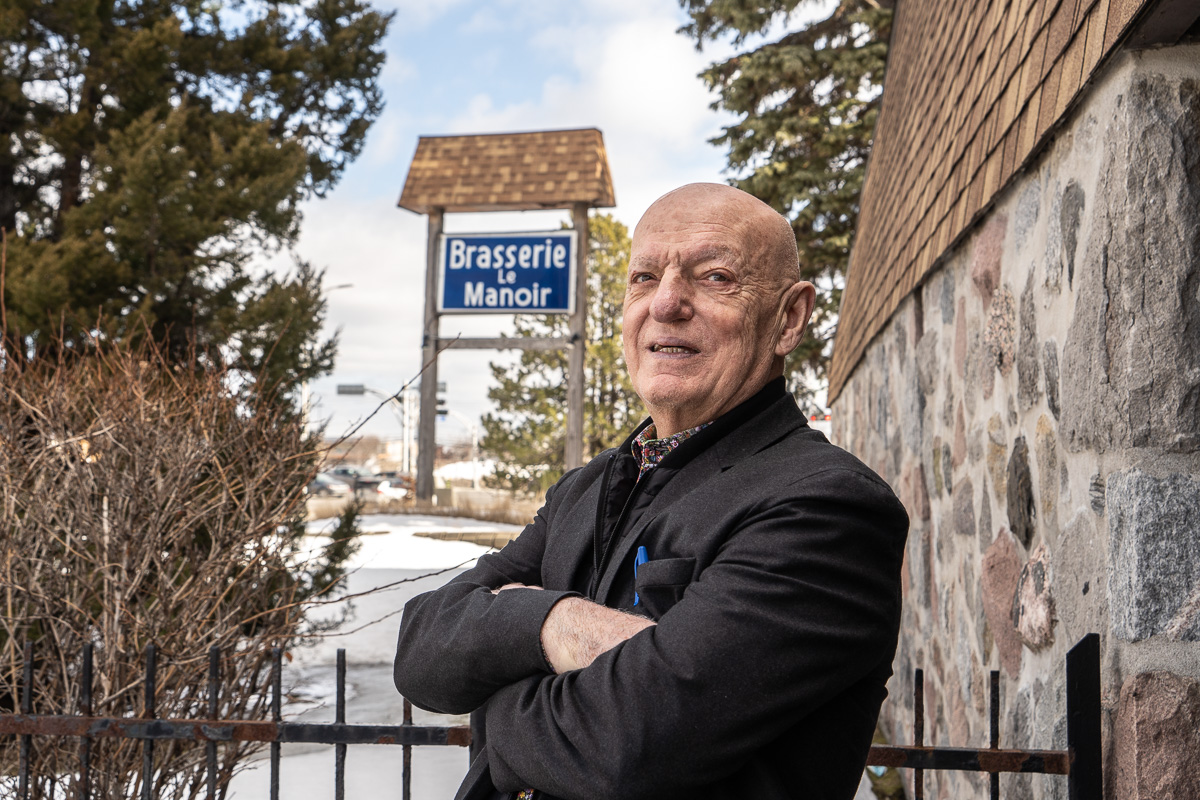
[506, 172]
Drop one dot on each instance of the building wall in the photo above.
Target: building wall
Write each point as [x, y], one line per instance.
[974, 91]
[1036, 405]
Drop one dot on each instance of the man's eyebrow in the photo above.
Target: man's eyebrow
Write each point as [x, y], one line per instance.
[713, 252]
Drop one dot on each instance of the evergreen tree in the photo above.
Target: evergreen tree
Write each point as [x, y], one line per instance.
[153, 147]
[527, 433]
[807, 105]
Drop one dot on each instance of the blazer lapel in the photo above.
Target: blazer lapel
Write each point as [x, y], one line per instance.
[691, 476]
[759, 432]
[755, 434]
[568, 554]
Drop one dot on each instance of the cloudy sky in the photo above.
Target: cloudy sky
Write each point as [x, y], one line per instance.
[456, 66]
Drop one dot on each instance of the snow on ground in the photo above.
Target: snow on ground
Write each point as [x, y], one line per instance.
[391, 541]
[389, 569]
[465, 470]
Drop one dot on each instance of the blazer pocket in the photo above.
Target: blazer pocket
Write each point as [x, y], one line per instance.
[660, 583]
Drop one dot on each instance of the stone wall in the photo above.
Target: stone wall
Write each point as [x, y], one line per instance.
[1036, 405]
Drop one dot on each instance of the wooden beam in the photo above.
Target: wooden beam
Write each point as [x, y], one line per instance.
[426, 442]
[578, 325]
[506, 343]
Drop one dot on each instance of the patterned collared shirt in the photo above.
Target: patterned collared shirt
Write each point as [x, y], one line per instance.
[650, 451]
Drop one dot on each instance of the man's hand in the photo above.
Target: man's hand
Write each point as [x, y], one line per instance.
[577, 631]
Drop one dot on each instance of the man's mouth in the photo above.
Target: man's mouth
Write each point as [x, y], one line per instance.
[677, 349]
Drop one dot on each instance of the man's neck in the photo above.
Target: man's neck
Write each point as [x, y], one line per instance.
[670, 421]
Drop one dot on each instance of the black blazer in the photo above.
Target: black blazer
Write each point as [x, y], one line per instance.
[774, 577]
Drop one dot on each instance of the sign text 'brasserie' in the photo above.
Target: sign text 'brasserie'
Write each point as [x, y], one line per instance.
[507, 272]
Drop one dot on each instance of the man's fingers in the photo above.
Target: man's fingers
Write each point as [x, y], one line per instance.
[514, 586]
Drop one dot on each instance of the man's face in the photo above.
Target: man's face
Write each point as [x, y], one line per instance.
[703, 312]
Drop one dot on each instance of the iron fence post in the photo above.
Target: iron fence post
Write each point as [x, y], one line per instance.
[276, 715]
[26, 708]
[339, 750]
[85, 742]
[214, 709]
[149, 713]
[994, 732]
[1086, 781]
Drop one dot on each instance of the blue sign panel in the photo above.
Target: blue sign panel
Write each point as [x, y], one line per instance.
[507, 273]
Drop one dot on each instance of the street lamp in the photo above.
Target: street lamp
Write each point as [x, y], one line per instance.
[403, 406]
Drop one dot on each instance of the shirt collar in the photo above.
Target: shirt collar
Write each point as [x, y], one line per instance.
[650, 451]
[710, 432]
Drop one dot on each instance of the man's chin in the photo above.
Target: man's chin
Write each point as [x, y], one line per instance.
[677, 403]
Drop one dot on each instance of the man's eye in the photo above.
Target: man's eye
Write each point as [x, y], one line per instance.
[641, 277]
[716, 276]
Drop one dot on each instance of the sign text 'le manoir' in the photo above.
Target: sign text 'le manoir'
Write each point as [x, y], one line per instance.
[507, 273]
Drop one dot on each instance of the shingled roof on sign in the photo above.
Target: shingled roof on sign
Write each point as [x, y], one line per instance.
[509, 172]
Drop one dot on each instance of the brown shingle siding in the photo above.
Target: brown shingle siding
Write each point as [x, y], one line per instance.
[1059, 33]
[1046, 115]
[973, 90]
[1072, 62]
[1095, 36]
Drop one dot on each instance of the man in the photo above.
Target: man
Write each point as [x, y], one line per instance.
[709, 610]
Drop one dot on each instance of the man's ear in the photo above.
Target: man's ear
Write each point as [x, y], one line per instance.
[798, 302]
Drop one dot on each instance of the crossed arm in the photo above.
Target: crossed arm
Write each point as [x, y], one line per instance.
[576, 631]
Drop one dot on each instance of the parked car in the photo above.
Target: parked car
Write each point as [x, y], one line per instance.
[325, 485]
[395, 486]
[359, 478]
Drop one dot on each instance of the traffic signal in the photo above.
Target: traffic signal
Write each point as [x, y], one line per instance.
[441, 400]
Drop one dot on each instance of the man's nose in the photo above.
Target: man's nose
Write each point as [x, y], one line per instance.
[672, 299]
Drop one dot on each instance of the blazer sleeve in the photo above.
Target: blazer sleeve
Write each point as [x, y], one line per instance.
[801, 603]
[460, 643]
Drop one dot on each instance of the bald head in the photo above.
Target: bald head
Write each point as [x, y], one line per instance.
[714, 303]
[766, 234]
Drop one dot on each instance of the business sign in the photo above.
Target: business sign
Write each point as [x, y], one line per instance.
[507, 273]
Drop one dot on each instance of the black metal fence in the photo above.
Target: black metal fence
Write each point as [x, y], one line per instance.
[1080, 762]
[149, 729]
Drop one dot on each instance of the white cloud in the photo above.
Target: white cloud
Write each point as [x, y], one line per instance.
[484, 20]
[633, 77]
[620, 67]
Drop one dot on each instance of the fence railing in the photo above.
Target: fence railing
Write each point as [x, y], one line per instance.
[275, 731]
[1080, 762]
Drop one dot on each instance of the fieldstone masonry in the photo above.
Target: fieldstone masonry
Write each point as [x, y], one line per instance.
[1036, 405]
[1156, 708]
[1154, 567]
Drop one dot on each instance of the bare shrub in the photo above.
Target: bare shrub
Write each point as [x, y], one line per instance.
[142, 503]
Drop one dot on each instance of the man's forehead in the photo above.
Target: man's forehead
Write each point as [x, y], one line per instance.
[650, 252]
[715, 221]
[714, 214]
[691, 234]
